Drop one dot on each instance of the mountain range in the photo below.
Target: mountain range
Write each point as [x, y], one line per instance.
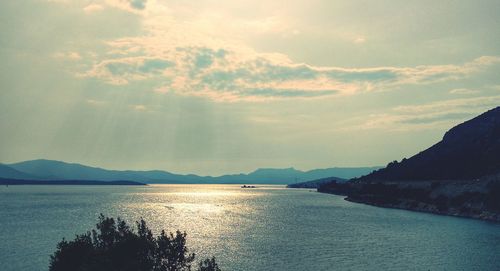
[43, 169]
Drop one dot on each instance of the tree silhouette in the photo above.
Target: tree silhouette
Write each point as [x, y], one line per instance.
[114, 246]
[208, 265]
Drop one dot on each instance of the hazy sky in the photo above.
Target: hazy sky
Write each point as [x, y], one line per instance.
[222, 86]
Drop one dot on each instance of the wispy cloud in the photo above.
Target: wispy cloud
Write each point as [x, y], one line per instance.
[463, 91]
[359, 40]
[93, 102]
[464, 104]
[207, 57]
[122, 71]
[248, 75]
[67, 55]
[424, 116]
[91, 8]
[133, 6]
[139, 107]
[138, 4]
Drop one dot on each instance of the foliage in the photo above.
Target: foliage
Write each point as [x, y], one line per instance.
[208, 265]
[114, 246]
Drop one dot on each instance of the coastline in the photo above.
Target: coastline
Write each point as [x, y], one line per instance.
[477, 199]
[485, 215]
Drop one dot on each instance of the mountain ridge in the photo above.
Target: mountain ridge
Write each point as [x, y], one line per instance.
[9, 172]
[45, 169]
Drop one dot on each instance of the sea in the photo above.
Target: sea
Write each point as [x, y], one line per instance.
[262, 228]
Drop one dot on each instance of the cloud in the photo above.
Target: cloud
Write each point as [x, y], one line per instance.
[205, 56]
[464, 104]
[138, 4]
[248, 75]
[139, 107]
[359, 40]
[122, 71]
[288, 93]
[424, 116]
[91, 8]
[133, 6]
[463, 91]
[433, 118]
[162, 90]
[93, 102]
[67, 55]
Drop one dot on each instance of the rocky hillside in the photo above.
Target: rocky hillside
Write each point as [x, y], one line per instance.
[468, 151]
[458, 176]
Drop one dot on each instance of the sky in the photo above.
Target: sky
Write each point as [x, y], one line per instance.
[225, 86]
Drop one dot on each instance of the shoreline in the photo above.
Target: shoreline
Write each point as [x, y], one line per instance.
[485, 216]
[477, 199]
[421, 208]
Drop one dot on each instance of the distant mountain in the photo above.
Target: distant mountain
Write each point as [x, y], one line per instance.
[8, 172]
[316, 183]
[292, 175]
[276, 174]
[344, 173]
[57, 170]
[7, 181]
[468, 151]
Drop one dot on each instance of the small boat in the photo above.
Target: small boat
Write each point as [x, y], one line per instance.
[248, 186]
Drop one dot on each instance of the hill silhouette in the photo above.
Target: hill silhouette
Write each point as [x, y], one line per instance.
[468, 151]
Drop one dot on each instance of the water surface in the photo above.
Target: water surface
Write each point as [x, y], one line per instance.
[267, 228]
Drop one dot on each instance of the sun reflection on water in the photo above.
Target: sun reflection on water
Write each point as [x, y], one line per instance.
[206, 212]
[212, 215]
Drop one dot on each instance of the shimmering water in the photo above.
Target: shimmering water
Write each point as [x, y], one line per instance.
[267, 228]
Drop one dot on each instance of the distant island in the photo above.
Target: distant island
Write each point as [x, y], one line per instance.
[64, 182]
[459, 176]
[44, 170]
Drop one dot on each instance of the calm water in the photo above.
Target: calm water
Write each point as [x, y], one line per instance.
[268, 228]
